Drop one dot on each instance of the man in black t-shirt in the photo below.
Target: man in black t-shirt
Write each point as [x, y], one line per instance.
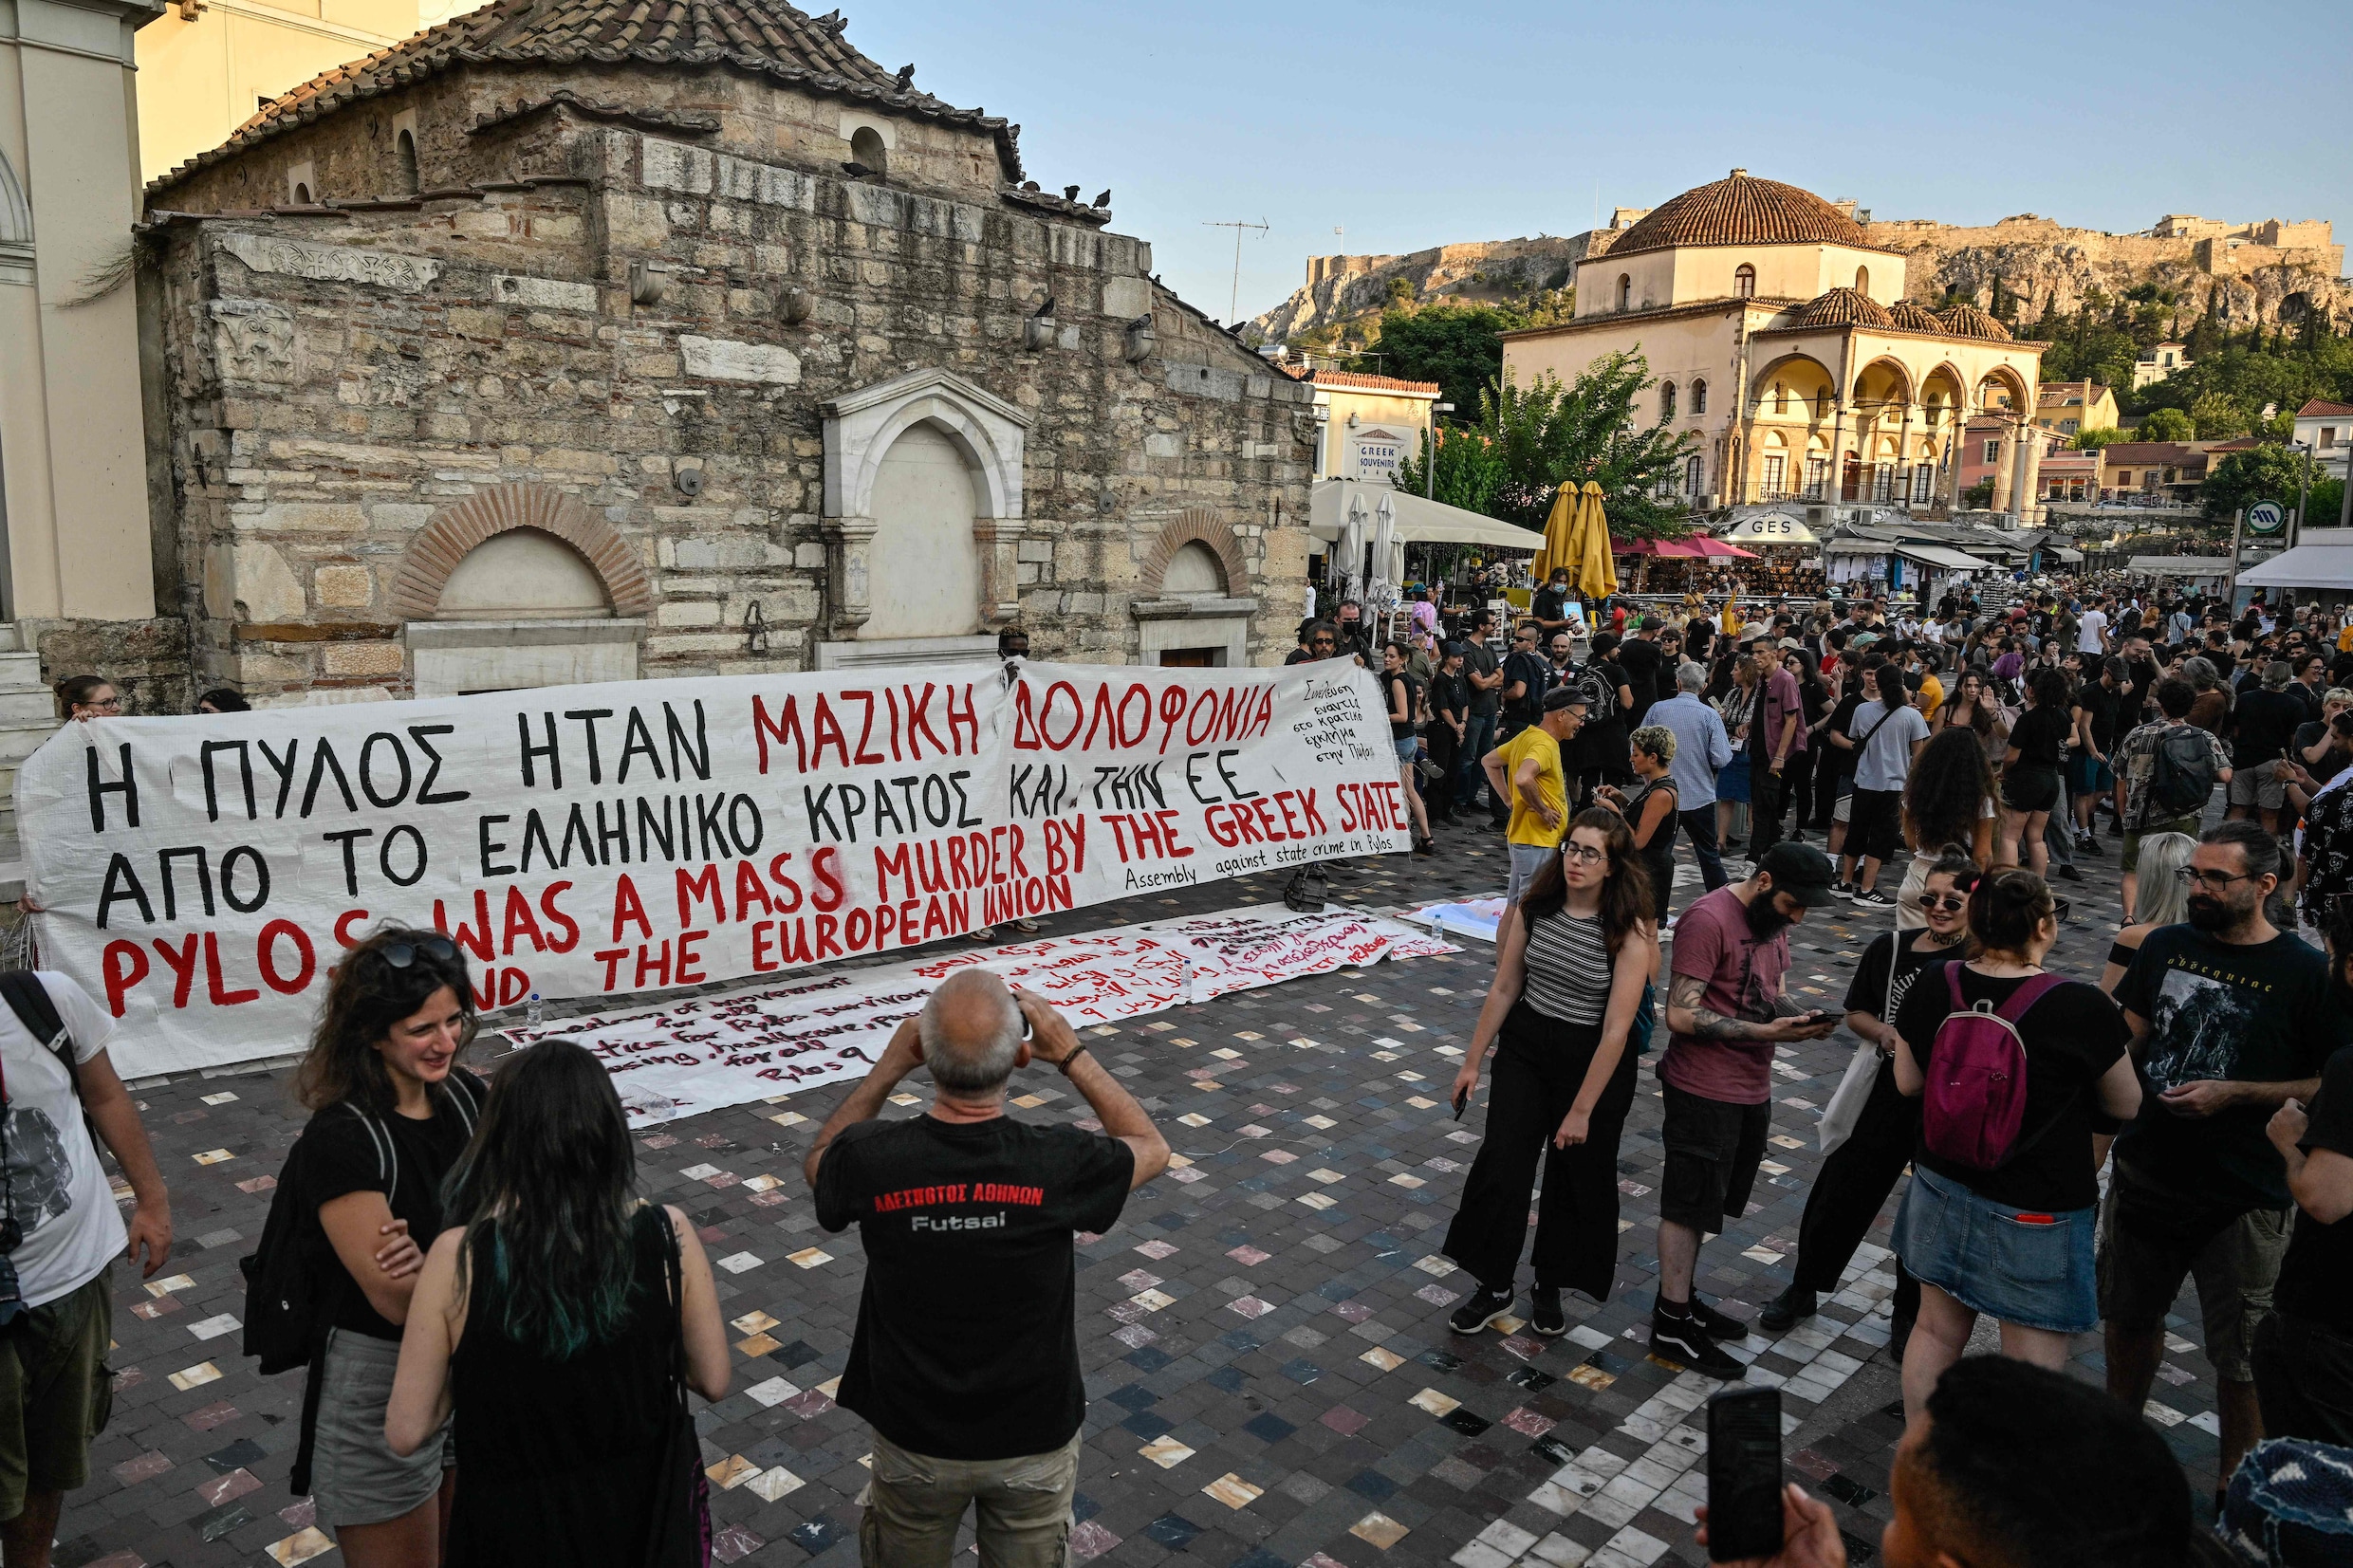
[1639, 657]
[2230, 1020]
[966, 1357]
[1549, 608]
[1484, 674]
[2304, 1351]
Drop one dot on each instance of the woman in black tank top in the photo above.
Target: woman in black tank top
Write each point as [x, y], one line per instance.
[1650, 810]
[545, 1315]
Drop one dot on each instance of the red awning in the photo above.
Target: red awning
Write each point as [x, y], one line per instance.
[1719, 547]
[1693, 549]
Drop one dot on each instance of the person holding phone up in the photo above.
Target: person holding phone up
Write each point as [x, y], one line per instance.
[1571, 965]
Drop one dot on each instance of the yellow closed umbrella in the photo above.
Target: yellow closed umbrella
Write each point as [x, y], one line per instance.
[1596, 569]
[1559, 535]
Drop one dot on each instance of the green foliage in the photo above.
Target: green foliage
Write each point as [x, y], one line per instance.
[2280, 427]
[2258, 473]
[2165, 424]
[2094, 441]
[2327, 504]
[1458, 347]
[1978, 496]
[2258, 367]
[2218, 416]
[1471, 472]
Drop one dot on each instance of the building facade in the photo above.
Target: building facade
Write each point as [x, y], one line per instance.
[598, 352]
[1368, 425]
[2325, 429]
[2070, 407]
[1783, 347]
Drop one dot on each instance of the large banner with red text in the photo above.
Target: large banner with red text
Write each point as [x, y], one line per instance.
[199, 875]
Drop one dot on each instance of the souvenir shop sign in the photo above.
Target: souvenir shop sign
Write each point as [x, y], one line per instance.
[697, 1054]
[200, 876]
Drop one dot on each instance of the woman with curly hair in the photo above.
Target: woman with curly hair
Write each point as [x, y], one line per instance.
[1571, 965]
[2030, 783]
[1947, 800]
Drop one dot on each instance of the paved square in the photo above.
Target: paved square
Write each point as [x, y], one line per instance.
[1271, 1378]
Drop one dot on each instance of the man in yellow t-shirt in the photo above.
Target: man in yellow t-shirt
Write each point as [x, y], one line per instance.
[1525, 771]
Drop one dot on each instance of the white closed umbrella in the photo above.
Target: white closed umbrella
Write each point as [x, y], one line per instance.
[1388, 556]
[1348, 554]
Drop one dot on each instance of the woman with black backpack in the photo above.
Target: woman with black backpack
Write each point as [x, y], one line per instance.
[391, 1113]
[563, 1318]
[1999, 1216]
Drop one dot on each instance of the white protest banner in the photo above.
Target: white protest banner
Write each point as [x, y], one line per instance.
[200, 874]
[697, 1054]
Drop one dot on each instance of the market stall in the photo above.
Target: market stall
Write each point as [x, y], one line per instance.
[1368, 540]
[1789, 562]
[1698, 564]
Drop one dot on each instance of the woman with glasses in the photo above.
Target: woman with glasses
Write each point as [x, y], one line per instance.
[390, 1111]
[1855, 1180]
[1947, 800]
[1571, 965]
[545, 1318]
[1650, 810]
[86, 697]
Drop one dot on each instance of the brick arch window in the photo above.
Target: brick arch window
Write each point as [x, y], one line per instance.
[1201, 527]
[455, 530]
[1744, 281]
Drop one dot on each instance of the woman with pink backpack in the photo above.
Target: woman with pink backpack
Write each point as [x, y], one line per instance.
[2011, 1063]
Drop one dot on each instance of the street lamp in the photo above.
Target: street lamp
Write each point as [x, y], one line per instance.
[1430, 451]
[2304, 488]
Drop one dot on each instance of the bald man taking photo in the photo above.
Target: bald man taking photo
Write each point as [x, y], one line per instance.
[966, 1357]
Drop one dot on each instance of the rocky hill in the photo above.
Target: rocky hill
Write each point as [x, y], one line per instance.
[2044, 265]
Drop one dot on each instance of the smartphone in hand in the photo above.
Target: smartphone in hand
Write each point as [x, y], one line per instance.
[1462, 1102]
[1744, 1474]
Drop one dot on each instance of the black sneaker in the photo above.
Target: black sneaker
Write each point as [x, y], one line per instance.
[1789, 1309]
[2089, 845]
[1680, 1341]
[1873, 898]
[1544, 1313]
[1483, 1308]
[2068, 874]
[1714, 1324]
[1845, 890]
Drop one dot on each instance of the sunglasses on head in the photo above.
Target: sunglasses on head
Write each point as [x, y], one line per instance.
[401, 955]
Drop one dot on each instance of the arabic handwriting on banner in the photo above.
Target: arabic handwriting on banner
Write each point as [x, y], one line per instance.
[706, 1053]
[201, 874]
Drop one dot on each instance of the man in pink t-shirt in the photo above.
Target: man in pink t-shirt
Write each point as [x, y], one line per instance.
[1726, 1012]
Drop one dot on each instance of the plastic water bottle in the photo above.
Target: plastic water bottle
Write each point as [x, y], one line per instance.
[534, 1013]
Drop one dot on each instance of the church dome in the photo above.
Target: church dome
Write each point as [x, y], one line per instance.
[1742, 210]
[1844, 307]
[1967, 320]
[1914, 317]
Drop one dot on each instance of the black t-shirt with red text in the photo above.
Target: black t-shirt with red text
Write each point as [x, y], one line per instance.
[967, 1345]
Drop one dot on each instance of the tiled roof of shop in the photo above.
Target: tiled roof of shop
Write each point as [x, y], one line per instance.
[1366, 383]
[1742, 210]
[764, 37]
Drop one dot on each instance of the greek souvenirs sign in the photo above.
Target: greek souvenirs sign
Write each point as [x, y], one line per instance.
[200, 874]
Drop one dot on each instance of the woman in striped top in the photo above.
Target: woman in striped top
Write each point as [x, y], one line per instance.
[1570, 964]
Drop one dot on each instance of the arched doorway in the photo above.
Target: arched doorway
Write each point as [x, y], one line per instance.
[928, 581]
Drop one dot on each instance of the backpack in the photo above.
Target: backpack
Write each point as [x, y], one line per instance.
[29, 1000]
[1976, 1096]
[2182, 775]
[288, 1307]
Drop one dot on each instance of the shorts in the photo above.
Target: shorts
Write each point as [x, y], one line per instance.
[1713, 1149]
[1526, 859]
[2263, 786]
[2134, 835]
[1842, 809]
[55, 1392]
[1877, 828]
[2090, 776]
[2030, 789]
[355, 1477]
[1408, 747]
[2150, 1239]
[2035, 1271]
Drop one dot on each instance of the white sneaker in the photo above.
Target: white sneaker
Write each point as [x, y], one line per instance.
[1874, 898]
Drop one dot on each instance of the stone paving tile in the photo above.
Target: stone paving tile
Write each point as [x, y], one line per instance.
[1270, 1375]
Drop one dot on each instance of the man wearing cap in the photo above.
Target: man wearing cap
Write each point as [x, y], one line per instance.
[1726, 1012]
[1525, 771]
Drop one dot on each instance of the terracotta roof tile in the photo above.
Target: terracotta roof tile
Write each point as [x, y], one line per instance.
[1366, 383]
[1844, 307]
[1967, 320]
[1742, 210]
[2321, 406]
[1914, 317]
[764, 37]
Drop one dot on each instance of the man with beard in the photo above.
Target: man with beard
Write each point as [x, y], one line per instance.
[1726, 1012]
[2230, 1020]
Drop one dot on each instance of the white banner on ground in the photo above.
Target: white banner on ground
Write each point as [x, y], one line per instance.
[702, 1054]
[1476, 917]
[199, 875]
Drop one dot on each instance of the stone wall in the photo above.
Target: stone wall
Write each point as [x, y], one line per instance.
[340, 377]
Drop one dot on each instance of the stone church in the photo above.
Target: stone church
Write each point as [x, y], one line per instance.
[585, 340]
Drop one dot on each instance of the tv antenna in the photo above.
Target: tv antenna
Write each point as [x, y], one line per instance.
[1233, 302]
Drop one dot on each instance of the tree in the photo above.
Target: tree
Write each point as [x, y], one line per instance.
[2257, 473]
[2218, 416]
[1978, 496]
[1471, 472]
[1458, 347]
[2093, 440]
[2165, 424]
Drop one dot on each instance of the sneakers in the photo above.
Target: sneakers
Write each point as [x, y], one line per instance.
[1681, 1340]
[1544, 1313]
[1873, 898]
[1789, 1309]
[1483, 1308]
[1845, 890]
[1714, 1324]
[2087, 844]
[2068, 874]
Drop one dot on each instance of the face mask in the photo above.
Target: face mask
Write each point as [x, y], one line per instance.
[1766, 921]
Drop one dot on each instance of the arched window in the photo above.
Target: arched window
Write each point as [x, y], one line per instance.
[866, 148]
[301, 195]
[1194, 572]
[1744, 281]
[1862, 280]
[1700, 398]
[1666, 401]
[1694, 471]
[1780, 398]
[1822, 404]
[1626, 291]
[404, 150]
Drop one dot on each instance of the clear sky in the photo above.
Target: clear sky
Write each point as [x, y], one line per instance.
[1412, 125]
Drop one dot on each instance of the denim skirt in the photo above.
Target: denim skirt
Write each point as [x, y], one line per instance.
[1733, 783]
[2036, 1273]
